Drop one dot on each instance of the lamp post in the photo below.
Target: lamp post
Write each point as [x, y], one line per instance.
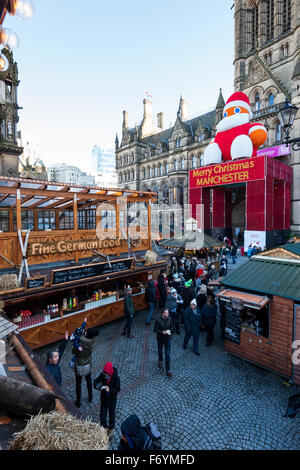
[286, 116]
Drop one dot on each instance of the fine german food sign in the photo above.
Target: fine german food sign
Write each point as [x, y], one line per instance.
[231, 172]
[67, 246]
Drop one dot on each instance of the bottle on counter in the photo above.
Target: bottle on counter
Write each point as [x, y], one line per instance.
[65, 304]
[70, 303]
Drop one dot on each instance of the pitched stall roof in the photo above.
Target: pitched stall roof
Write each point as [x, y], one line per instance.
[290, 251]
[52, 195]
[270, 276]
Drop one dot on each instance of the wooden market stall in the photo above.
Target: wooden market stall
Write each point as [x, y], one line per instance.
[67, 252]
[262, 302]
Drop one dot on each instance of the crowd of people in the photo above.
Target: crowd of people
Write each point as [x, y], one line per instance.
[184, 298]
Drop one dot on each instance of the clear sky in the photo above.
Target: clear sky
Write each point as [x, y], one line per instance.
[81, 63]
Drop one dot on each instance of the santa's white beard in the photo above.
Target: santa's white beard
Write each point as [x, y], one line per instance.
[233, 121]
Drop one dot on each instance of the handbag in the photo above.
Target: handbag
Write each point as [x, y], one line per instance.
[82, 371]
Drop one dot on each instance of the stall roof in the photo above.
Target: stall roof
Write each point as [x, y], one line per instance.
[191, 240]
[53, 195]
[268, 276]
[289, 251]
[249, 300]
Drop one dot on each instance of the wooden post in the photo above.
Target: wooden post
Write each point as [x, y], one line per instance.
[35, 220]
[57, 219]
[75, 223]
[118, 225]
[149, 224]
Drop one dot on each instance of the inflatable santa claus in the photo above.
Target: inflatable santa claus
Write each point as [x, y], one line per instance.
[236, 137]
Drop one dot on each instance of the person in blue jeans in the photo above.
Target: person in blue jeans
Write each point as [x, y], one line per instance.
[150, 295]
[164, 329]
[192, 324]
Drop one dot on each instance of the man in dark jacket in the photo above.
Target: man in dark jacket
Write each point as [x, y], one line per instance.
[173, 304]
[162, 288]
[109, 384]
[83, 363]
[150, 295]
[129, 313]
[164, 329]
[134, 437]
[209, 313]
[192, 323]
[53, 360]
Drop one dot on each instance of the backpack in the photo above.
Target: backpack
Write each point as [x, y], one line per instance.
[154, 437]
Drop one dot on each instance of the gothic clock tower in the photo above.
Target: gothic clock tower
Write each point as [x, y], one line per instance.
[9, 149]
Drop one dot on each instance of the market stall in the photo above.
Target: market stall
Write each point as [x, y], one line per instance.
[199, 244]
[67, 253]
[262, 320]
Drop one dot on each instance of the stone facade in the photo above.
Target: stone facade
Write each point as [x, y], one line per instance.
[267, 69]
[152, 158]
[9, 149]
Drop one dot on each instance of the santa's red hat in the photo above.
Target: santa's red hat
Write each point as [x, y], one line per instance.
[238, 99]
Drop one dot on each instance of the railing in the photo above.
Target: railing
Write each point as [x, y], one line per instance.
[265, 111]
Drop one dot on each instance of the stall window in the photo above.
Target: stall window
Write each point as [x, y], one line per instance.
[81, 220]
[108, 219]
[4, 221]
[256, 321]
[27, 220]
[46, 220]
[66, 220]
[91, 219]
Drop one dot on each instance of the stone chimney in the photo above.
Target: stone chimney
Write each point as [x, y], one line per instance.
[125, 119]
[147, 126]
[160, 120]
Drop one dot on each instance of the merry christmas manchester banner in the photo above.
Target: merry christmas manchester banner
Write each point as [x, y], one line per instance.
[241, 171]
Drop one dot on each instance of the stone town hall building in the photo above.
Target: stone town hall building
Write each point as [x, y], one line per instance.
[266, 68]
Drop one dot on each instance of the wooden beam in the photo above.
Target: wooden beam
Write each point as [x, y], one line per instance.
[58, 203]
[18, 208]
[70, 204]
[40, 201]
[26, 199]
[4, 197]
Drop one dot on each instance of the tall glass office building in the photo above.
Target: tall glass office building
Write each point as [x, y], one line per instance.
[104, 166]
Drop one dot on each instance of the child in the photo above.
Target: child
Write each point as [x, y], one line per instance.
[75, 337]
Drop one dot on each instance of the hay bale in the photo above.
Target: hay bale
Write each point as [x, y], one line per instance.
[9, 282]
[60, 431]
[151, 257]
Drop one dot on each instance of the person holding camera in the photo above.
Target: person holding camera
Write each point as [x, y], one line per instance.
[108, 383]
[164, 329]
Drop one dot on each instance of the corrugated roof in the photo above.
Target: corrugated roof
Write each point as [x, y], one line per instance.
[292, 247]
[267, 276]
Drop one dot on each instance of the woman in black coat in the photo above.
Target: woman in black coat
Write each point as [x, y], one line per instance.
[109, 384]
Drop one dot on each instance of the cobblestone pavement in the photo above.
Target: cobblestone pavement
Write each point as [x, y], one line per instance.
[215, 401]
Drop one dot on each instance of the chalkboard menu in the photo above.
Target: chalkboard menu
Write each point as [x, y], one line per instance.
[233, 323]
[35, 282]
[63, 276]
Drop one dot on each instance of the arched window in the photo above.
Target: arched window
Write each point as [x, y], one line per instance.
[201, 159]
[160, 170]
[271, 99]
[149, 152]
[193, 161]
[172, 221]
[166, 168]
[175, 165]
[254, 35]
[182, 164]
[278, 132]
[178, 142]
[149, 172]
[200, 137]
[286, 50]
[257, 102]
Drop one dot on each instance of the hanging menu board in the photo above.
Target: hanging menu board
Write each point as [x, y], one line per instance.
[232, 323]
[65, 276]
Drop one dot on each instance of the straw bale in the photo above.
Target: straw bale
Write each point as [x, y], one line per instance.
[60, 431]
[151, 257]
[8, 282]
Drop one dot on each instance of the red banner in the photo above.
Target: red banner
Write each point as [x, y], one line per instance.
[241, 171]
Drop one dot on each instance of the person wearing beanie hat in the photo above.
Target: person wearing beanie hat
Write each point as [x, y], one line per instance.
[150, 296]
[83, 363]
[173, 304]
[108, 382]
[192, 323]
[188, 294]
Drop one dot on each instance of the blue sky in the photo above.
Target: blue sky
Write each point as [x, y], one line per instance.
[80, 66]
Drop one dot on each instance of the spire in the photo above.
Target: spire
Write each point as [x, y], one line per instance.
[220, 102]
[182, 110]
[117, 141]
